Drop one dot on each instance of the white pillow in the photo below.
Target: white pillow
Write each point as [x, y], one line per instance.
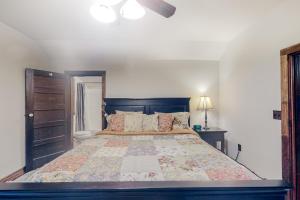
[150, 122]
[133, 122]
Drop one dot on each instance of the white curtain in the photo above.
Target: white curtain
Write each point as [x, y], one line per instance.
[93, 106]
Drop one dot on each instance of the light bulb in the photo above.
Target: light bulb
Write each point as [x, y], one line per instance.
[132, 10]
[103, 13]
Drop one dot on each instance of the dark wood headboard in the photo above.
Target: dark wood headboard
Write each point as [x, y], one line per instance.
[147, 106]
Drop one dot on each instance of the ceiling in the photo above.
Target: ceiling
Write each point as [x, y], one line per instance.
[200, 29]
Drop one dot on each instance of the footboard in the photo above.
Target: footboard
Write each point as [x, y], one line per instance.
[239, 190]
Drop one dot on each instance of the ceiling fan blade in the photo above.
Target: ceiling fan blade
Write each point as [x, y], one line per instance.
[159, 6]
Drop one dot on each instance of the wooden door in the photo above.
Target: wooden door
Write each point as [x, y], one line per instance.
[296, 64]
[46, 136]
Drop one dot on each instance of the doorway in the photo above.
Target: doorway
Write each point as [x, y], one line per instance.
[85, 93]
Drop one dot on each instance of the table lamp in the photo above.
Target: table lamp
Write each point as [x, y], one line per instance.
[205, 104]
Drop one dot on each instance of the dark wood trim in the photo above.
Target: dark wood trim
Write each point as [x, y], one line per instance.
[290, 50]
[13, 176]
[68, 114]
[287, 117]
[174, 190]
[85, 73]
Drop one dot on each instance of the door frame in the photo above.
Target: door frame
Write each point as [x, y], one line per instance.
[288, 117]
[68, 79]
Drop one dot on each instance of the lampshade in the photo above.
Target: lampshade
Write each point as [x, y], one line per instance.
[205, 103]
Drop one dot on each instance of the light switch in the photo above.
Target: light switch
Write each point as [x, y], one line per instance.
[277, 114]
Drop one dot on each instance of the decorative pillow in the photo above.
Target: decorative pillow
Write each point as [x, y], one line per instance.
[133, 122]
[150, 122]
[128, 113]
[181, 120]
[165, 122]
[115, 122]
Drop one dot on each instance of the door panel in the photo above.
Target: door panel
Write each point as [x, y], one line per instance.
[46, 136]
[46, 148]
[53, 81]
[48, 132]
[49, 101]
[48, 116]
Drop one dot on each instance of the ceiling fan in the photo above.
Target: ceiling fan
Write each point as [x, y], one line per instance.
[159, 6]
[103, 10]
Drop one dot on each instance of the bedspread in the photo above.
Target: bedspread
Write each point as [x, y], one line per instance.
[178, 157]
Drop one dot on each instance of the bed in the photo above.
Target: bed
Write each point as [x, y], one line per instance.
[111, 156]
[169, 165]
[143, 157]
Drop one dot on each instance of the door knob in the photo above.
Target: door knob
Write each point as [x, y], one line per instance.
[30, 115]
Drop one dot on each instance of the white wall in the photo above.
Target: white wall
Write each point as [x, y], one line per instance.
[160, 78]
[250, 89]
[16, 53]
[93, 109]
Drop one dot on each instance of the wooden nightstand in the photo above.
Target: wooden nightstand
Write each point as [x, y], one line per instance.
[212, 136]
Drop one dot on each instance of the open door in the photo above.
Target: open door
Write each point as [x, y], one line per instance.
[46, 135]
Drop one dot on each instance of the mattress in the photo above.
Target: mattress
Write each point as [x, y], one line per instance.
[147, 157]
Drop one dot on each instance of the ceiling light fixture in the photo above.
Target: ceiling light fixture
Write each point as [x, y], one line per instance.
[103, 13]
[132, 10]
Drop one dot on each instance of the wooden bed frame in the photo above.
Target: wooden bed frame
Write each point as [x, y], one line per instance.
[162, 190]
[147, 106]
[239, 190]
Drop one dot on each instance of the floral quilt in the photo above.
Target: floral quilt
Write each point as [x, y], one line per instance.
[141, 158]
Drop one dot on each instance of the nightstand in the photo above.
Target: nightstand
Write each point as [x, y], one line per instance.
[212, 136]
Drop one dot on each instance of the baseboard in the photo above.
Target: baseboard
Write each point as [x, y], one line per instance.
[13, 176]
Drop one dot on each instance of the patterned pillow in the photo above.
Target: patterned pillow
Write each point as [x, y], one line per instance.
[150, 122]
[133, 122]
[165, 122]
[115, 122]
[181, 120]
